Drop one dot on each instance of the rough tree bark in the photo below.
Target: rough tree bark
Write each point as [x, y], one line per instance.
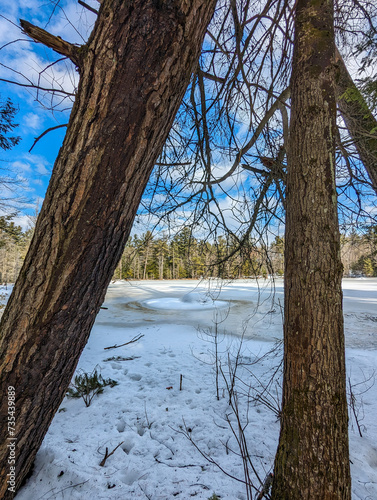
[134, 71]
[312, 460]
[360, 122]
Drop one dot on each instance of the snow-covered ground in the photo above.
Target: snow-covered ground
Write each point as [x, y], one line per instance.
[175, 440]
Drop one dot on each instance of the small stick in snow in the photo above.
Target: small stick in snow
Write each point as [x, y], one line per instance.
[180, 382]
[135, 339]
[66, 488]
[107, 454]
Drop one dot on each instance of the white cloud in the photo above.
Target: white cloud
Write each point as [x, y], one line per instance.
[9, 31]
[73, 23]
[31, 164]
[27, 62]
[40, 164]
[21, 166]
[24, 221]
[32, 121]
[42, 169]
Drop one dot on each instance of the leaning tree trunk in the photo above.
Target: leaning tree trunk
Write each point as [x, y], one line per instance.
[134, 72]
[360, 121]
[312, 461]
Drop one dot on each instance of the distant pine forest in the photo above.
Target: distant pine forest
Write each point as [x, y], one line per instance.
[183, 256]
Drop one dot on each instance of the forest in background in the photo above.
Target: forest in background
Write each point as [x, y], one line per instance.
[184, 256]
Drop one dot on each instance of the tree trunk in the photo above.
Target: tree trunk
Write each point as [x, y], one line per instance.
[134, 71]
[312, 460]
[146, 257]
[359, 120]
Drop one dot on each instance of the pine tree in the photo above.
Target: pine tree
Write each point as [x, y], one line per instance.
[312, 460]
[368, 267]
[134, 70]
[7, 125]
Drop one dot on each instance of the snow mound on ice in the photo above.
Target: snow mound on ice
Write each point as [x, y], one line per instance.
[190, 301]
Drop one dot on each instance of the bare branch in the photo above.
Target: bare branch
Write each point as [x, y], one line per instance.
[34, 86]
[214, 78]
[275, 106]
[88, 7]
[53, 42]
[358, 119]
[107, 454]
[46, 132]
[135, 339]
[173, 164]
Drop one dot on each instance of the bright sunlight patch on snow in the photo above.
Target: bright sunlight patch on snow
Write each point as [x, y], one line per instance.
[173, 433]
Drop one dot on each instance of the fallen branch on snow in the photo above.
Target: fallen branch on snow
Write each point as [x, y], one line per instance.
[135, 339]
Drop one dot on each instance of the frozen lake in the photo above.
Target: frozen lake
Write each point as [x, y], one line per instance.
[249, 307]
[166, 396]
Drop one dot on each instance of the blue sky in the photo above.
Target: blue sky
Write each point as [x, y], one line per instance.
[24, 61]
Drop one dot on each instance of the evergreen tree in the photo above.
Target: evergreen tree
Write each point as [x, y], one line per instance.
[312, 460]
[368, 267]
[7, 125]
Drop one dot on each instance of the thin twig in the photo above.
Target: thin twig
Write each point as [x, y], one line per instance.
[32, 85]
[60, 491]
[46, 132]
[352, 405]
[207, 457]
[135, 339]
[88, 7]
[175, 466]
[107, 454]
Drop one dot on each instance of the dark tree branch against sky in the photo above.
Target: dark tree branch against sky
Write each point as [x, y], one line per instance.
[239, 84]
[359, 120]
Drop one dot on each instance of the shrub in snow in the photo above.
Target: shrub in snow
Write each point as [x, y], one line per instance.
[88, 385]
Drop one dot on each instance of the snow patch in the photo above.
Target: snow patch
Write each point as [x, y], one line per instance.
[147, 412]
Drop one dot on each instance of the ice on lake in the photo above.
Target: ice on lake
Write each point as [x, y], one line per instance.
[166, 381]
[189, 302]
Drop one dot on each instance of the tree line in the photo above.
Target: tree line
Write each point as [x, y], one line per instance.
[359, 253]
[14, 243]
[186, 256]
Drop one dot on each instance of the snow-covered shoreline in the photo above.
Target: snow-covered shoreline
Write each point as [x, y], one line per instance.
[149, 414]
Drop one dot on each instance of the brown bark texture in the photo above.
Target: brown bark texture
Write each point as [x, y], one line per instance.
[312, 460]
[360, 122]
[134, 72]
